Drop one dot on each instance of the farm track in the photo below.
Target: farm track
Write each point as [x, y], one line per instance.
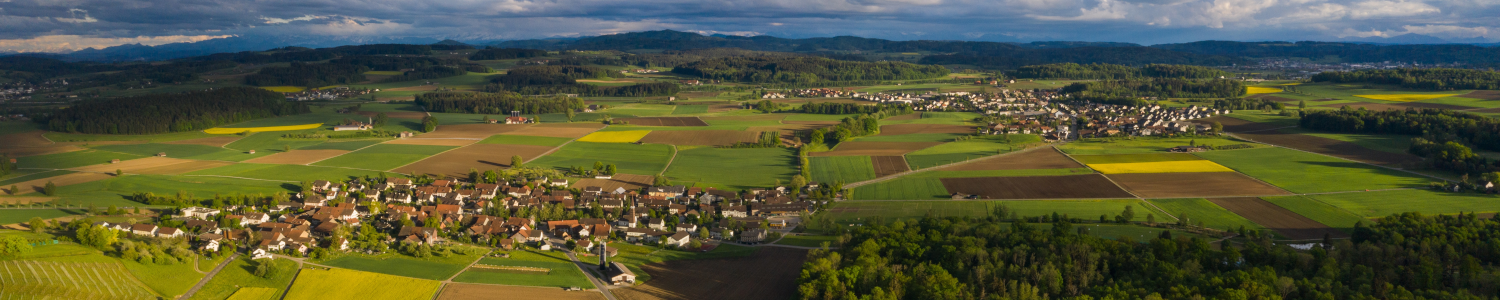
[899, 175]
[209, 276]
[554, 149]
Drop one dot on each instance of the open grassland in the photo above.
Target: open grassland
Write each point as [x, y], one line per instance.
[154, 165]
[346, 146]
[645, 159]
[615, 136]
[1201, 210]
[1253, 90]
[13, 216]
[849, 212]
[179, 151]
[458, 162]
[13, 127]
[164, 137]
[168, 280]
[383, 156]
[284, 172]
[969, 149]
[1086, 186]
[690, 109]
[266, 143]
[224, 130]
[1284, 222]
[1335, 217]
[561, 272]
[1385, 203]
[113, 191]
[15, 178]
[639, 109]
[22, 279]
[947, 118]
[1187, 166]
[402, 266]
[904, 188]
[237, 281]
[72, 159]
[341, 284]
[525, 140]
[1381, 142]
[1302, 172]
[1136, 145]
[701, 137]
[1186, 185]
[1405, 97]
[1035, 158]
[732, 168]
[846, 169]
[915, 137]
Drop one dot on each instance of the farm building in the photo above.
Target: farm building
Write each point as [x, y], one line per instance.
[618, 274]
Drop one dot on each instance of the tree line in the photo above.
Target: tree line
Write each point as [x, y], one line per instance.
[831, 108]
[1428, 79]
[1115, 72]
[396, 63]
[1444, 135]
[429, 72]
[544, 80]
[1161, 88]
[308, 75]
[175, 112]
[804, 70]
[506, 53]
[495, 103]
[1407, 256]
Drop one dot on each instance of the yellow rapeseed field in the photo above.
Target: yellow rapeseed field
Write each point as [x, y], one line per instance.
[222, 130]
[253, 293]
[615, 136]
[1405, 97]
[1252, 90]
[1187, 166]
[284, 89]
[340, 284]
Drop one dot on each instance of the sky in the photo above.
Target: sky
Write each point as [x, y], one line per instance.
[70, 25]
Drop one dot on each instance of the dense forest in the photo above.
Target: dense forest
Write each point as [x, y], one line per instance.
[1429, 79]
[396, 63]
[161, 113]
[1116, 72]
[804, 70]
[506, 53]
[308, 75]
[831, 108]
[431, 72]
[1406, 256]
[1160, 87]
[495, 103]
[546, 80]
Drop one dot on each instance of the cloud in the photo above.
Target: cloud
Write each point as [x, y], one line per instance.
[270, 20]
[67, 43]
[75, 19]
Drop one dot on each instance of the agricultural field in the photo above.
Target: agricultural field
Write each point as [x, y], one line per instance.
[1185, 166]
[402, 266]
[644, 159]
[664, 121]
[979, 147]
[383, 156]
[1335, 147]
[615, 136]
[1201, 210]
[770, 273]
[732, 168]
[1174, 185]
[1302, 172]
[903, 188]
[234, 130]
[288, 173]
[525, 140]
[72, 159]
[1090, 186]
[464, 291]
[236, 281]
[341, 284]
[626, 181]
[297, 157]
[1285, 222]
[841, 168]
[68, 280]
[1384, 203]
[1335, 217]
[179, 151]
[1036, 158]
[700, 137]
[854, 212]
[1139, 145]
[638, 257]
[549, 269]
[1255, 90]
[855, 148]
[168, 280]
[889, 165]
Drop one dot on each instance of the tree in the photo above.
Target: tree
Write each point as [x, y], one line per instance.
[1302, 104]
[37, 224]
[1216, 127]
[380, 119]
[286, 148]
[798, 181]
[609, 170]
[14, 190]
[265, 268]
[570, 113]
[50, 189]
[1128, 214]
[97, 236]
[516, 161]
[598, 166]
[659, 180]
[13, 245]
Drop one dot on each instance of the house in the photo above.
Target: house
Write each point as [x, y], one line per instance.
[199, 212]
[355, 127]
[668, 191]
[211, 245]
[657, 224]
[143, 229]
[680, 239]
[516, 120]
[618, 274]
[753, 236]
[321, 185]
[1188, 149]
[254, 219]
[260, 253]
[734, 211]
[563, 182]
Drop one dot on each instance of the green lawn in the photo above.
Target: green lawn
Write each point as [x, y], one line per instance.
[978, 147]
[845, 169]
[1135, 145]
[1318, 211]
[169, 280]
[72, 159]
[401, 266]
[1303, 172]
[113, 191]
[33, 176]
[180, 151]
[904, 188]
[690, 109]
[284, 172]
[12, 216]
[1385, 203]
[525, 140]
[916, 137]
[847, 212]
[564, 273]
[807, 240]
[1201, 210]
[348, 146]
[646, 159]
[383, 156]
[733, 169]
[238, 275]
[1134, 158]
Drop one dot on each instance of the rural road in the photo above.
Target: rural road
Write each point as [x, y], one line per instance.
[598, 282]
[208, 277]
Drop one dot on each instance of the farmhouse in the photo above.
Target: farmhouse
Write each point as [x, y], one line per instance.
[618, 274]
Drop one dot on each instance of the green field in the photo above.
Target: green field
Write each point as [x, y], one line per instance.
[848, 212]
[342, 284]
[904, 188]
[1312, 91]
[734, 169]
[383, 156]
[1201, 210]
[1318, 211]
[284, 172]
[169, 280]
[816, 117]
[978, 147]
[1302, 172]
[643, 110]
[180, 151]
[647, 159]
[157, 138]
[72, 159]
[114, 190]
[327, 118]
[916, 137]
[1382, 142]
[13, 127]
[348, 146]
[12, 216]
[1134, 158]
[690, 109]
[563, 272]
[25, 279]
[929, 117]
[401, 266]
[1135, 145]
[236, 279]
[33, 176]
[525, 140]
[266, 143]
[845, 169]
[253, 293]
[1431, 202]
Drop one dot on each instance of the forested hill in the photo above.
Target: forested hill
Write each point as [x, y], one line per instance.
[804, 70]
[1347, 52]
[161, 113]
[1109, 71]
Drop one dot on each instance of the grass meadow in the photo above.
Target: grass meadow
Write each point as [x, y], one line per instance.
[401, 266]
[647, 159]
[1201, 210]
[1318, 211]
[237, 278]
[1431, 202]
[284, 172]
[72, 159]
[341, 284]
[525, 140]
[969, 149]
[731, 168]
[848, 212]
[563, 273]
[383, 156]
[841, 168]
[1302, 172]
[1137, 145]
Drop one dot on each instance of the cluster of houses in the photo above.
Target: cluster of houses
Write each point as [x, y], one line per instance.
[328, 94]
[639, 71]
[1056, 121]
[434, 212]
[810, 93]
[21, 90]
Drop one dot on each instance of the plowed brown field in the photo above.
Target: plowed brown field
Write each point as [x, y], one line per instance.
[889, 165]
[1185, 185]
[875, 148]
[1329, 147]
[35, 186]
[770, 273]
[1047, 158]
[1091, 186]
[1286, 222]
[457, 162]
[1482, 95]
[627, 181]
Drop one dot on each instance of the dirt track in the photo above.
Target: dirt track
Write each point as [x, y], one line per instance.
[457, 162]
[1037, 187]
[770, 273]
[1034, 159]
[1274, 217]
[1183, 185]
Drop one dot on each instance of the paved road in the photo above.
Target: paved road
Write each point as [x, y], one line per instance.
[598, 284]
[208, 277]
